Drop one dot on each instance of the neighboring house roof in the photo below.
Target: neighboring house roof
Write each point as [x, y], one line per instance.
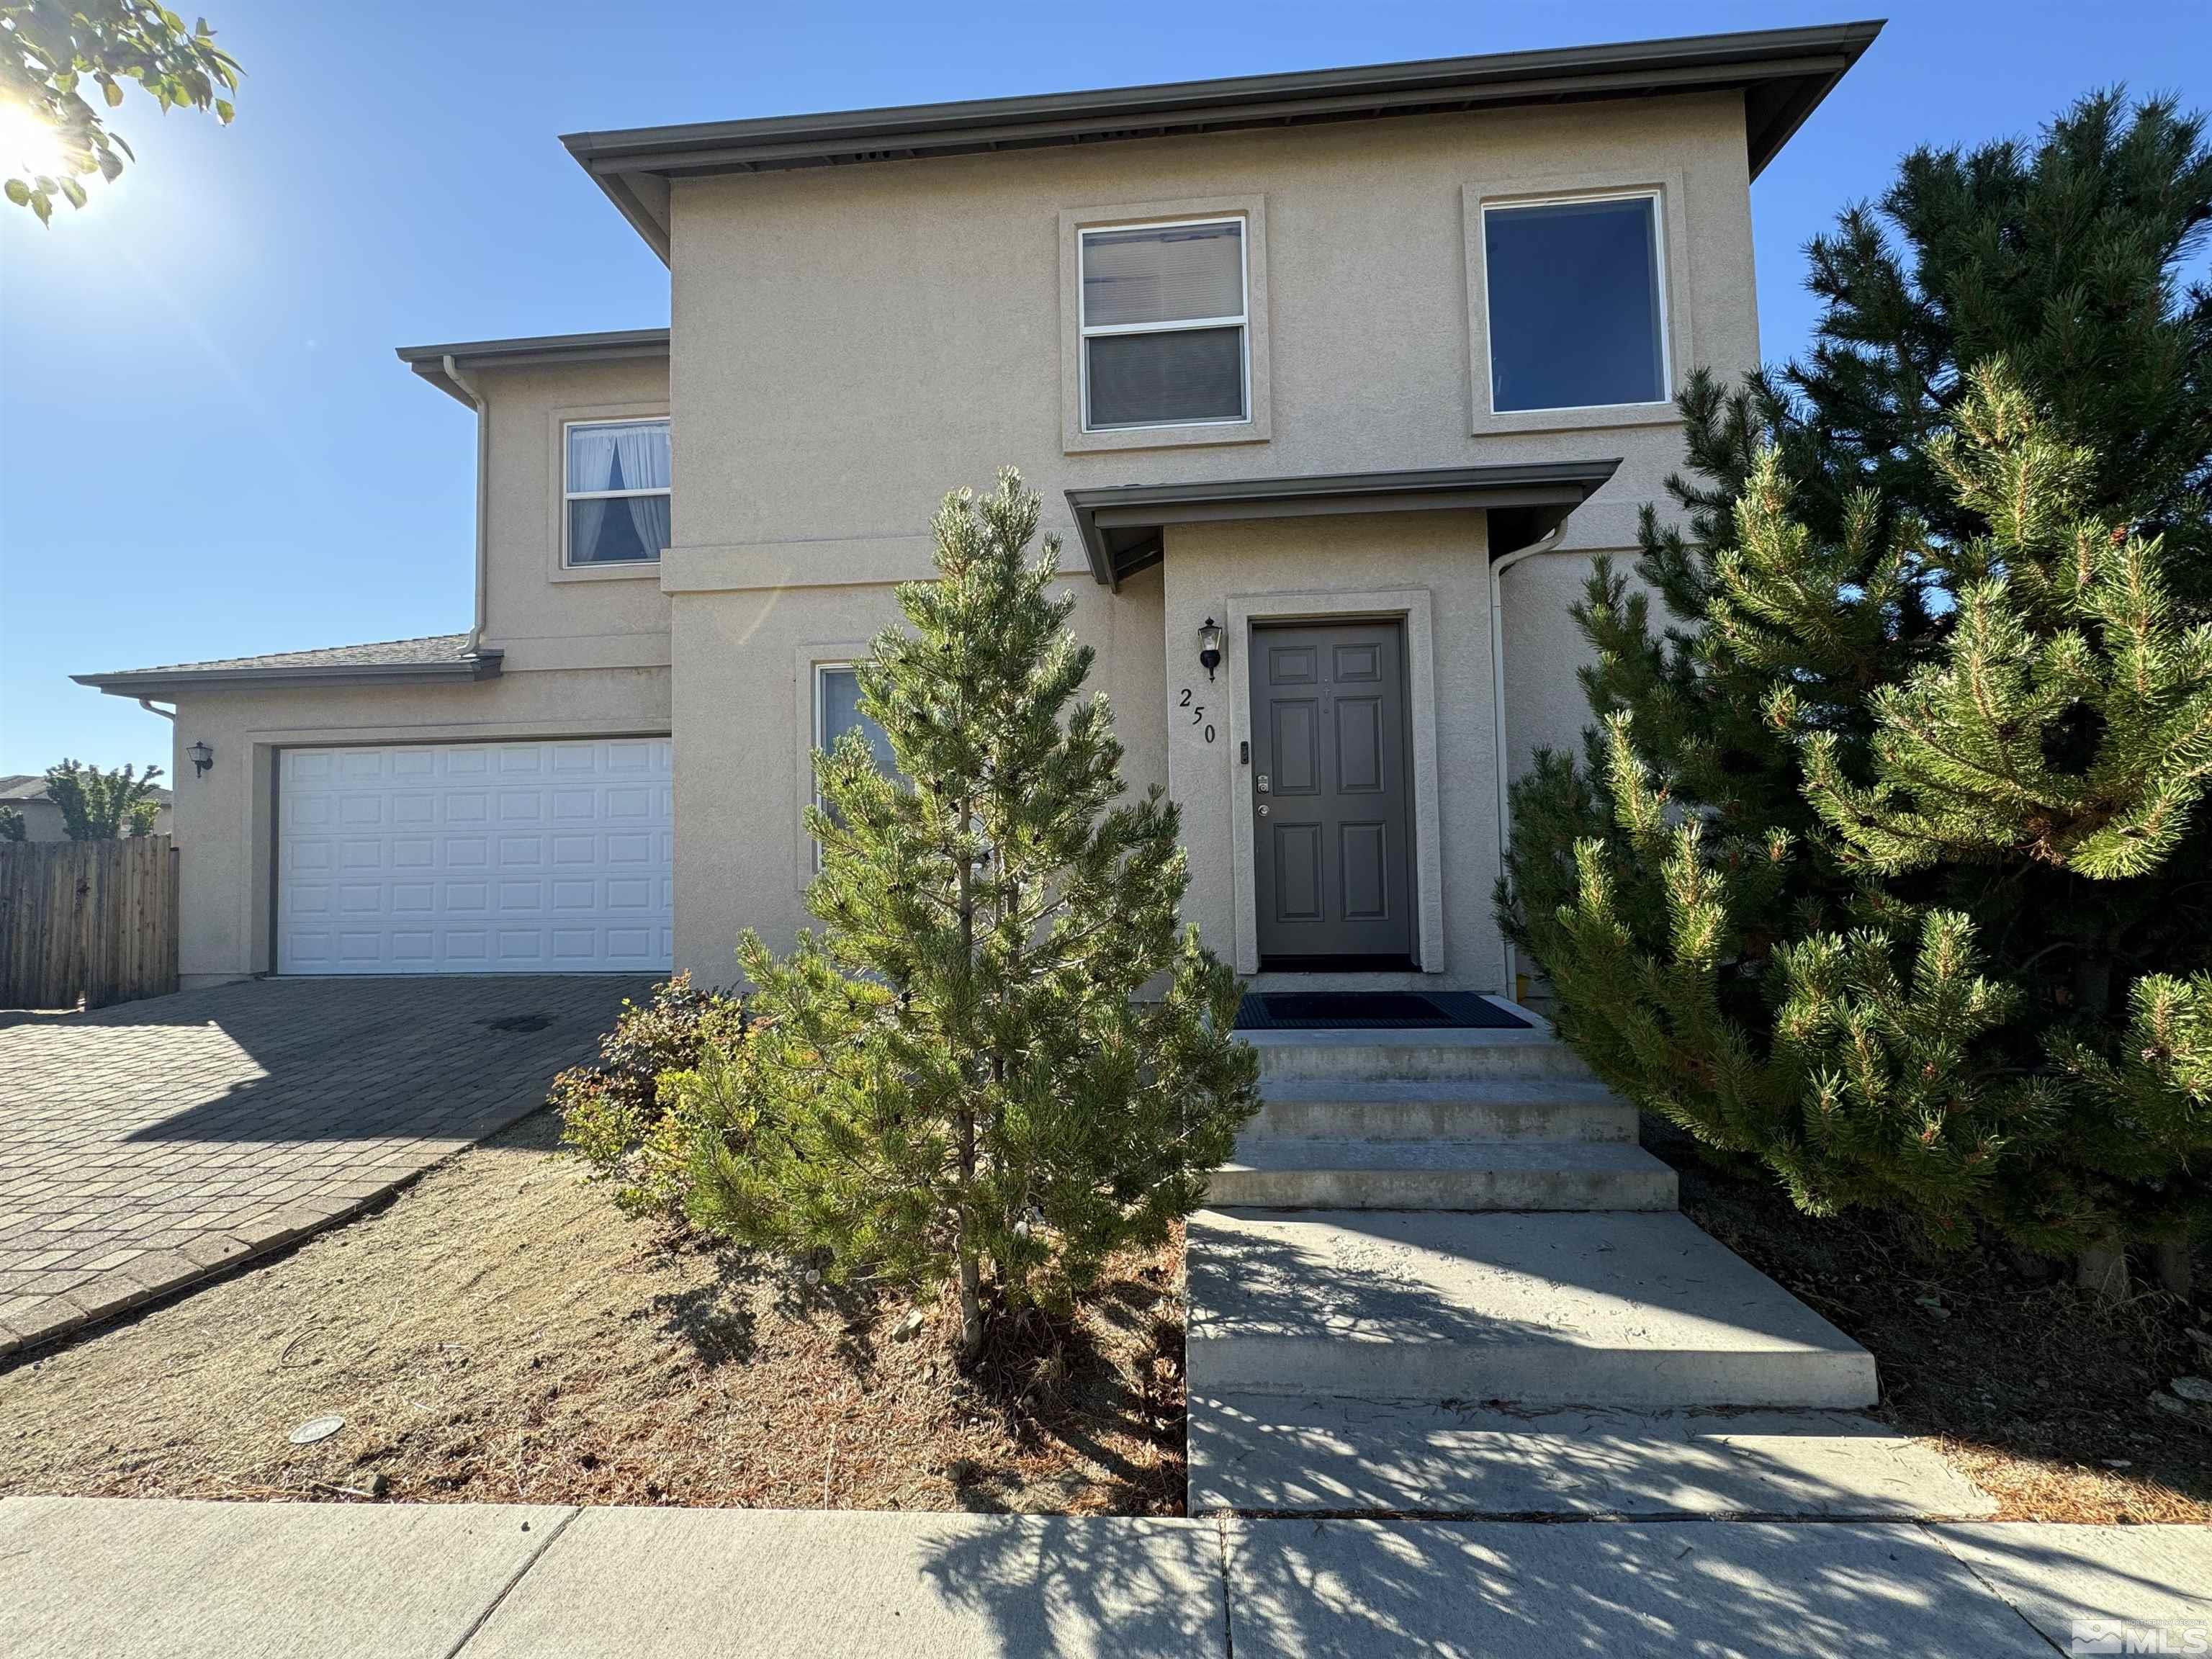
[23, 788]
[1123, 525]
[605, 346]
[438, 657]
[1783, 75]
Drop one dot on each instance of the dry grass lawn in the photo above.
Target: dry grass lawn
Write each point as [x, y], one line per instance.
[2039, 1393]
[502, 1333]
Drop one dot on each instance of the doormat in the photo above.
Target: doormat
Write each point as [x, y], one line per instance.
[1372, 1010]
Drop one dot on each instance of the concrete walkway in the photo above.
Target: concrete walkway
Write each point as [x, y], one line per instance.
[1441, 1278]
[146, 1145]
[133, 1580]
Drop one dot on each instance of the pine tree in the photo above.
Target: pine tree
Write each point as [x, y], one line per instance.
[957, 1078]
[1882, 867]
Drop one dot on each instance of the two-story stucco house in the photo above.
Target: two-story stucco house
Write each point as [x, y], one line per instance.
[1344, 375]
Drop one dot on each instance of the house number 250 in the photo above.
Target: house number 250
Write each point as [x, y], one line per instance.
[1197, 714]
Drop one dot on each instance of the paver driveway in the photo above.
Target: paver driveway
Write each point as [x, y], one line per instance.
[145, 1146]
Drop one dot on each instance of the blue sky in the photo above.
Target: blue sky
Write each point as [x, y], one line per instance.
[207, 448]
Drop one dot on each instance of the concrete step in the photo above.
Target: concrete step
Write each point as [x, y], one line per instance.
[1445, 1109]
[1632, 1311]
[1381, 1056]
[1317, 1172]
[1263, 1454]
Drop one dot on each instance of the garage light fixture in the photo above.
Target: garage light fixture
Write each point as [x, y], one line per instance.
[201, 757]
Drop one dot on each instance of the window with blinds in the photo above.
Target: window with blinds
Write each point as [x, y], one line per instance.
[1164, 324]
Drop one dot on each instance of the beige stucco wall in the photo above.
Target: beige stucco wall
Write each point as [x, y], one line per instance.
[222, 820]
[542, 615]
[1544, 704]
[850, 342]
[745, 732]
[1287, 569]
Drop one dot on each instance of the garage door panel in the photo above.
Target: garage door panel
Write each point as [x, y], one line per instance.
[546, 857]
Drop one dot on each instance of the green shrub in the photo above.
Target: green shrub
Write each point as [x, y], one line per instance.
[957, 1077]
[620, 1115]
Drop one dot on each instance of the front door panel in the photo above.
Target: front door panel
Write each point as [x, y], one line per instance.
[1330, 795]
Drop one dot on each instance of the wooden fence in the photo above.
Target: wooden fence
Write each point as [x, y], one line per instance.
[94, 920]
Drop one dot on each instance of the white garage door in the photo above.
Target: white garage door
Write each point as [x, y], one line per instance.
[479, 858]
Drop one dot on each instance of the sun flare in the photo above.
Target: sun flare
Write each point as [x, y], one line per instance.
[29, 147]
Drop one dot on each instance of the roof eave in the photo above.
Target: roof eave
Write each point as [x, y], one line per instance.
[608, 345]
[1787, 72]
[167, 682]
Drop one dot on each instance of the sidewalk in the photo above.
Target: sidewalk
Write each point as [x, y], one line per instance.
[121, 1579]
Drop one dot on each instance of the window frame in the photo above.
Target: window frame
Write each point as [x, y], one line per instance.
[1656, 207]
[816, 667]
[564, 425]
[1077, 437]
[1087, 330]
[1670, 252]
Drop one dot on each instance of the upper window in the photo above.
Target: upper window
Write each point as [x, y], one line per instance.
[1163, 326]
[616, 491]
[1575, 304]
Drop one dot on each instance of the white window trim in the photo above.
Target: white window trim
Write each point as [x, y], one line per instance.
[1077, 439]
[1657, 208]
[595, 567]
[1672, 252]
[810, 662]
[1242, 322]
[821, 671]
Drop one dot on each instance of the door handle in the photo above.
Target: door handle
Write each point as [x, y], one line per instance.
[1263, 809]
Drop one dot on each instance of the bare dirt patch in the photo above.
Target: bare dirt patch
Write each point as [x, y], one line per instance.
[502, 1333]
[2038, 1393]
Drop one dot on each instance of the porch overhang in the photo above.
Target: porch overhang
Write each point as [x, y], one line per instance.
[1124, 526]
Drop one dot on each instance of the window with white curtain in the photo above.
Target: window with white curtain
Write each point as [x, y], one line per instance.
[616, 493]
[1163, 326]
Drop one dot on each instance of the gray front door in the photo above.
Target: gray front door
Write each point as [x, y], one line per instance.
[1331, 795]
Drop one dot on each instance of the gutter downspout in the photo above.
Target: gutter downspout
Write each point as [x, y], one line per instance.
[484, 494]
[1499, 566]
[146, 703]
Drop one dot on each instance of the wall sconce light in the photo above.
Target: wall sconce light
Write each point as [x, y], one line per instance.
[201, 757]
[1209, 645]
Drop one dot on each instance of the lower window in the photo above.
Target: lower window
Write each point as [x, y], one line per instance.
[837, 711]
